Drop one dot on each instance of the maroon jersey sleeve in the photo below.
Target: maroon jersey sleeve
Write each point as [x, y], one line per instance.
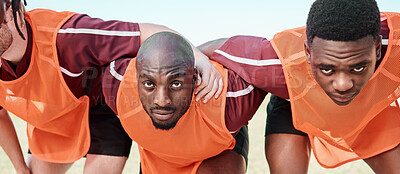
[111, 80]
[385, 36]
[242, 102]
[86, 41]
[255, 61]
[86, 45]
[242, 98]
[254, 70]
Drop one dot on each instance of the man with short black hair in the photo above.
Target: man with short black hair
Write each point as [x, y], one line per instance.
[343, 86]
[350, 110]
[51, 70]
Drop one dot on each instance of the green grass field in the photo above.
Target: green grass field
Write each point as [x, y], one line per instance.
[257, 162]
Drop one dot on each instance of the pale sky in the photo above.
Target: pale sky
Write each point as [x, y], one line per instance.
[202, 20]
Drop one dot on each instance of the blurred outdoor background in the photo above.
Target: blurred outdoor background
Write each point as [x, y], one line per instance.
[257, 161]
[199, 22]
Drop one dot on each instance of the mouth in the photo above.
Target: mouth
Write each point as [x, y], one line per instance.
[342, 99]
[163, 115]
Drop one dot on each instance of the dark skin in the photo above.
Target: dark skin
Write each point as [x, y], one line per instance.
[341, 80]
[166, 81]
[342, 69]
[10, 144]
[15, 5]
[5, 32]
[4, 6]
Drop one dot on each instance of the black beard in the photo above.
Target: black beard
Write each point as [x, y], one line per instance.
[164, 126]
[6, 38]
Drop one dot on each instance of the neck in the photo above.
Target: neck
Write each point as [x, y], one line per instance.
[17, 49]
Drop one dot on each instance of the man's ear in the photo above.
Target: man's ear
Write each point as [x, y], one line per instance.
[379, 48]
[307, 50]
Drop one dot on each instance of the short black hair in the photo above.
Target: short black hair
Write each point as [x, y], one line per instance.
[343, 20]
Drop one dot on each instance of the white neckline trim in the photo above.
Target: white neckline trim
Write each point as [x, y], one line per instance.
[241, 92]
[248, 61]
[113, 72]
[68, 73]
[99, 32]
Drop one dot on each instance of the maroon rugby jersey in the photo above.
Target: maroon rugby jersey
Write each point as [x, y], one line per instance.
[245, 93]
[84, 46]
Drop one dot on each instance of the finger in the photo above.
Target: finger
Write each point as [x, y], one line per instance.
[203, 92]
[207, 88]
[206, 80]
[220, 88]
[212, 92]
[198, 81]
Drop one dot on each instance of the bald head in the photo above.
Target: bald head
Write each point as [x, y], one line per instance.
[166, 48]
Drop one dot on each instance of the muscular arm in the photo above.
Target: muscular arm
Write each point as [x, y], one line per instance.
[122, 40]
[10, 144]
[255, 61]
[211, 81]
[209, 47]
[253, 70]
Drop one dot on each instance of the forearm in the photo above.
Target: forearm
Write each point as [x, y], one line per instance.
[209, 47]
[9, 141]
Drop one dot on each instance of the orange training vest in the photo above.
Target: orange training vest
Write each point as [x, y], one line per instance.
[58, 128]
[368, 126]
[199, 134]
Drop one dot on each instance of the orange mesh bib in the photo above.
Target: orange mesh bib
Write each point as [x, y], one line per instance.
[199, 134]
[369, 125]
[58, 128]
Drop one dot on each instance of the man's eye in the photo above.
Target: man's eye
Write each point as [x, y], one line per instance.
[148, 84]
[176, 84]
[359, 69]
[326, 71]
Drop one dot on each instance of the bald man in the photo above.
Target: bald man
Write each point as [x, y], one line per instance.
[50, 76]
[152, 95]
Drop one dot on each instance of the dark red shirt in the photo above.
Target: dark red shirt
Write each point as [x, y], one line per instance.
[84, 46]
[253, 70]
[243, 96]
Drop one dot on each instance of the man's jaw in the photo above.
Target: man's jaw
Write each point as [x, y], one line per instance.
[343, 100]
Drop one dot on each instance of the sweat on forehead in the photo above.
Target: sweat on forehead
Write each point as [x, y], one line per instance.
[166, 47]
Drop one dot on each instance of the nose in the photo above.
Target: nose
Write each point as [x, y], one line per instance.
[342, 83]
[162, 97]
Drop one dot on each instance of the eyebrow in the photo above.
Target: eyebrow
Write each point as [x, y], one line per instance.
[326, 66]
[174, 76]
[363, 63]
[146, 76]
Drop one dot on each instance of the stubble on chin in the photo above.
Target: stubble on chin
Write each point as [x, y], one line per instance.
[5, 38]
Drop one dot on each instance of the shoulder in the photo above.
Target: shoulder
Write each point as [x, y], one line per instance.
[85, 21]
